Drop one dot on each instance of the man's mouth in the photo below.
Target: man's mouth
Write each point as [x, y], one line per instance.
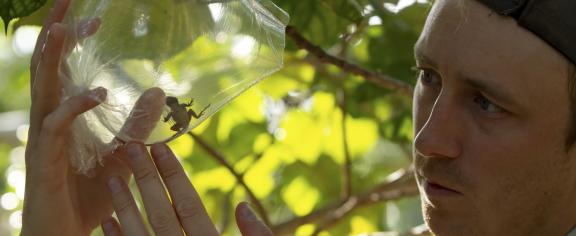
[439, 190]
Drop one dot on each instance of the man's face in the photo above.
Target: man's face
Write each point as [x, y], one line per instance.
[491, 111]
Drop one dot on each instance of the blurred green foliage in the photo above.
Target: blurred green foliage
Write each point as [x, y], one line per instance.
[18, 8]
[285, 134]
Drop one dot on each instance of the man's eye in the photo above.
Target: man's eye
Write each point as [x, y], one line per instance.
[486, 105]
[429, 78]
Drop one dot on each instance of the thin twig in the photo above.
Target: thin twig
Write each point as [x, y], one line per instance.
[384, 81]
[350, 38]
[226, 209]
[420, 230]
[401, 184]
[347, 166]
[222, 160]
[346, 182]
[399, 187]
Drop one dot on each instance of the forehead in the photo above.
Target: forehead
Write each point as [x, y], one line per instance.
[465, 37]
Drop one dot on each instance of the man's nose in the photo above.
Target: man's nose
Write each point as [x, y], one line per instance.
[441, 135]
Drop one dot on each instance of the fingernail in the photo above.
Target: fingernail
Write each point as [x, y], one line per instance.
[98, 94]
[114, 184]
[134, 150]
[248, 213]
[84, 28]
[88, 27]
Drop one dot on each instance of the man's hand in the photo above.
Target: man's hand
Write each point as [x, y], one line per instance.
[185, 213]
[57, 200]
[60, 202]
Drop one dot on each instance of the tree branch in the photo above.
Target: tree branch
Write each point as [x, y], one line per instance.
[346, 182]
[421, 230]
[400, 184]
[226, 210]
[396, 189]
[239, 178]
[346, 188]
[376, 78]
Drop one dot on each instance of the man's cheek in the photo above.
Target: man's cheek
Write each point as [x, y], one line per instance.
[493, 178]
[420, 112]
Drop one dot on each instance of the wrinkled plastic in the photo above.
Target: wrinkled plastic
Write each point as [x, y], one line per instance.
[202, 53]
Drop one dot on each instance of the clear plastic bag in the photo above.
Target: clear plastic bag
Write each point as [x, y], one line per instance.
[167, 65]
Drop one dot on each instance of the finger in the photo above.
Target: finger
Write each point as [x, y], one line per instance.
[55, 16]
[110, 227]
[45, 81]
[84, 29]
[187, 203]
[158, 207]
[59, 121]
[46, 94]
[144, 116]
[87, 28]
[48, 65]
[54, 130]
[248, 223]
[114, 164]
[125, 207]
[95, 187]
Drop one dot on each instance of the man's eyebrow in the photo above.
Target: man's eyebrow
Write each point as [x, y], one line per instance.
[489, 89]
[420, 56]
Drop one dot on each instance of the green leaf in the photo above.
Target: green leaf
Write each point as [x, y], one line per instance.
[391, 44]
[11, 9]
[260, 176]
[361, 224]
[321, 21]
[300, 196]
[348, 9]
[173, 26]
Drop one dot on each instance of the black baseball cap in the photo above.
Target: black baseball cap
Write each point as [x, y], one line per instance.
[554, 21]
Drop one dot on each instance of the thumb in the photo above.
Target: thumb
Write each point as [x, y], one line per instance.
[248, 223]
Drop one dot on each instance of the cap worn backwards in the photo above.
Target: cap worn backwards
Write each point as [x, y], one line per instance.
[552, 20]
